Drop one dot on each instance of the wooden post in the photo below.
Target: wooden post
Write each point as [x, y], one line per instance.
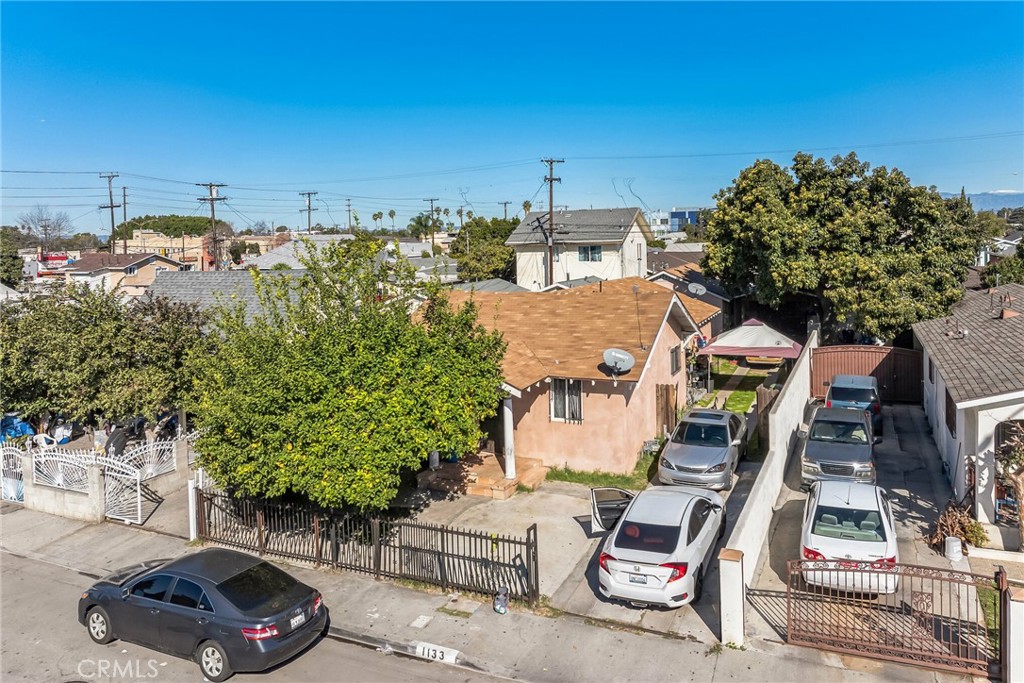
[375, 536]
[317, 551]
[261, 542]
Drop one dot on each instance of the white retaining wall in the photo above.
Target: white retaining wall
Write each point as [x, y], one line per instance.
[784, 420]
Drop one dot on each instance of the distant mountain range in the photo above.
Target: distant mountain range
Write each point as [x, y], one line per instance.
[992, 201]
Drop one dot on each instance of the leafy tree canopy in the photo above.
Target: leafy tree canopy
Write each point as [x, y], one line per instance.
[332, 389]
[1005, 270]
[869, 247]
[11, 263]
[82, 351]
[480, 249]
[170, 226]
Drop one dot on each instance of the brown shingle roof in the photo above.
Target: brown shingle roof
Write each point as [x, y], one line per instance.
[564, 333]
[101, 261]
[989, 359]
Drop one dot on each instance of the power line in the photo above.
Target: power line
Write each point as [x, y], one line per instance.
[110, 188]
[213, 198]
[308, 210]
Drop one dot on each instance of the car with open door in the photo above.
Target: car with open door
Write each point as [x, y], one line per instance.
[661, 542]
[226, 610]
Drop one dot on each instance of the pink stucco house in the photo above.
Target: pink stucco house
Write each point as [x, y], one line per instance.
[564, 406]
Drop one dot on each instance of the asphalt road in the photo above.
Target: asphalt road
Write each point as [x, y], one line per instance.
[41, 640]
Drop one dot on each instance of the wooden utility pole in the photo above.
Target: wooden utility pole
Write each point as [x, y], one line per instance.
[550, 232]
[433, 228]
[124, 204]
[110, 189]
[349, 203]
[505, 204]
[308, 211]
[213, 198]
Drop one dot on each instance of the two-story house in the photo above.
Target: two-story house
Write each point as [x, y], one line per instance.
[604, 243]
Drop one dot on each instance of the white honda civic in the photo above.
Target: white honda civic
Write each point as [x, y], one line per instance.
[660, 544]
[849, 535]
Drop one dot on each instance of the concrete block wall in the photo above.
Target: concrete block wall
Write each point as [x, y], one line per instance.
[87, 506]
[783, 421]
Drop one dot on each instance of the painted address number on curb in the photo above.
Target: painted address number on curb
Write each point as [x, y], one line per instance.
[436, 653]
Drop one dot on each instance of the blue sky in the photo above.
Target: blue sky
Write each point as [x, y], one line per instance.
[660, 102]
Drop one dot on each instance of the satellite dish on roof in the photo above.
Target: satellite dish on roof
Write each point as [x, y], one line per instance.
[619, 361]
[697, 288]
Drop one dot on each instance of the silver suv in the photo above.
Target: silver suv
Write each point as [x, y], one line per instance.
[838, 445]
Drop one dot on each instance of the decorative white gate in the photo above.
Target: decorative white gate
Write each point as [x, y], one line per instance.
[122, 493]
[13, 486]
[151, 459]
[62, 469]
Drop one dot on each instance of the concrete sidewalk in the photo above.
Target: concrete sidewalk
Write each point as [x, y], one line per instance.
[521, 644]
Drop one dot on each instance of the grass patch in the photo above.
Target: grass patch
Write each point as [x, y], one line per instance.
[707, 400]
[744, 395]
[714, 650]
[723, 366]
[444, 609]
[523, 489]
[645, 469]
[989, 600]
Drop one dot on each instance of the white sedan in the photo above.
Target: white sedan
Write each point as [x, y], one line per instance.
[660, 543]
[849, 533]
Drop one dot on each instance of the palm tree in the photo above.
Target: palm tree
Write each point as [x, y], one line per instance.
[377, 217]
[391, 215]
[448, 224]
[527, 205]
[458, 212]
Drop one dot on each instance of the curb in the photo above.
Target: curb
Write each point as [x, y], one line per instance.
[386, 646]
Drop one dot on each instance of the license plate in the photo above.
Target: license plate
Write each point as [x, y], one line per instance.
[298, 619]
[849, 565]
[637, 578]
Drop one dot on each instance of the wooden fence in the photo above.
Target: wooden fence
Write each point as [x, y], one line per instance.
[451, 558]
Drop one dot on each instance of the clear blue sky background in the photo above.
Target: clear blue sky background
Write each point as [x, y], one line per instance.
[373, 101]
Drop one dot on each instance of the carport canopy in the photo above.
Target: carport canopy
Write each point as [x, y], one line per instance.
[752, 338]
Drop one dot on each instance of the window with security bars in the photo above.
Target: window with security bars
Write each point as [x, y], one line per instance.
[566, 400]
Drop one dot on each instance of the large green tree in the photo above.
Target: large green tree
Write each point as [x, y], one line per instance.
[480, 249]
[333, 389]
[11, 263]
[171, 226]
[871, 249]
[81, 351]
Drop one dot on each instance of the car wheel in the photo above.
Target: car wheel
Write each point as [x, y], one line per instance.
[213, 662]
[698, 585]
[98, 624]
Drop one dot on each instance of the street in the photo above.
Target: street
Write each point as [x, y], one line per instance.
[41, 640]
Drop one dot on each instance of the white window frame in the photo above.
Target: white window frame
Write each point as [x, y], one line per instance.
[675, 359]
[586, 253]
[554, 399]
[131, 270]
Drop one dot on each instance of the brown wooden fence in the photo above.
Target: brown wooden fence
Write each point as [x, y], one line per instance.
[898, 371]
[374, 544]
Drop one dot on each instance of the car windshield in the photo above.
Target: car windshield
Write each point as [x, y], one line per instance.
[696, 434]
[262, 590]
[122, 575]
[852, 395]
[838, 432]
[848, 524]
[654, 538]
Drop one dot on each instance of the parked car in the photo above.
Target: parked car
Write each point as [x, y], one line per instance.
[858, 392]
[226, 610]
[704, 449]
[837, 445]
[850, 525]
[660, 544]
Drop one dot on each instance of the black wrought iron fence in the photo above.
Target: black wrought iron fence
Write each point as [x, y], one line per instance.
[465, 559]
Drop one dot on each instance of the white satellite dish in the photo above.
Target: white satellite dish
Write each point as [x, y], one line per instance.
[619, 361]
[697, 288]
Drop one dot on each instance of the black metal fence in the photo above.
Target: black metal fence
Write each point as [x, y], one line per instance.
[465, 559]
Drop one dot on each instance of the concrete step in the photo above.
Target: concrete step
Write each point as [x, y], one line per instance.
[533, 477]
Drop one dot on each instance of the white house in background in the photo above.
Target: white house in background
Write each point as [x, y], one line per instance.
[131, 273]
[974, 385]
[605, 243]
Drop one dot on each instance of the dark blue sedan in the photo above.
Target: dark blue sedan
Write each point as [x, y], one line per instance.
[226, 610]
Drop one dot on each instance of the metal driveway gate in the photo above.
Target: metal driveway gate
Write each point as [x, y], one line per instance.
[13, 485]
[122, 490]
[935, 618]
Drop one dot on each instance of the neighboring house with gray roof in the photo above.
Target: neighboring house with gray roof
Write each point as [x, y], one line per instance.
[974, 384]
[210, 288]
[493, 285]
[604, 243]
[289, 254]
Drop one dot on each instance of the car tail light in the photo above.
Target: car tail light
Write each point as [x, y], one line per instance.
[876, 408]
[678, 570]
[811, 554]
[317, 601]
[603, 561]
[259, 633]
[828, 404]
[884, 563]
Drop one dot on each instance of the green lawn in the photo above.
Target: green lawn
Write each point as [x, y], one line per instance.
[645, 469]
[989, 600]
[744, 395]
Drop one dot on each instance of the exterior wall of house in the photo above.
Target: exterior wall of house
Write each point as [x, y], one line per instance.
[981, 433]
[531, 266]
[950, 446]
[634, 254]
[616, 420]
[133, 285]
[617, 261]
